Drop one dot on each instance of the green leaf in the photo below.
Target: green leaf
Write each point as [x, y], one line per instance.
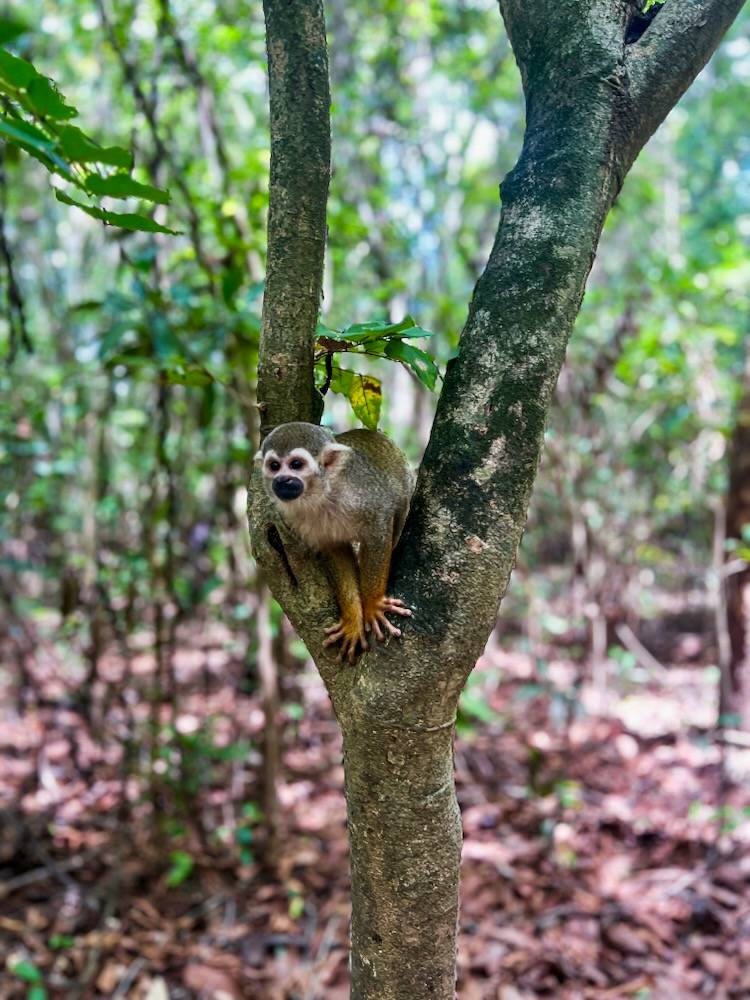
[419, 361]
[27, 971]
[194, 375]
[58, 942]
[414, 333]
[375, 329]
[86, 305]
[17, 72]
[123, 220]
[364, 393]
[181, 870]
[123, 186]
[321, 330]
[21, 131]
[476, 707]
[231, 280]
[10, 29]
[167, 345]
[47, 99]
[112, 337]
[36, 992]
[252, 812]
[76, 145]
[36, 144]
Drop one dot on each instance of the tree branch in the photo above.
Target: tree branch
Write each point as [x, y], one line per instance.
[300, 171]
[582, 134]
[669, 55]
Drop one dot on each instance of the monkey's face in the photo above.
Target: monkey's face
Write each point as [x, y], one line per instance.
[296, 477]
[290, 475]
[300, 464]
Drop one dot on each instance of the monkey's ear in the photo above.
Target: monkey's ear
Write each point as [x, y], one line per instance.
[258, 456]
[334, 456]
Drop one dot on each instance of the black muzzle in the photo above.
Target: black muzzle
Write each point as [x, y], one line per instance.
[288, 487]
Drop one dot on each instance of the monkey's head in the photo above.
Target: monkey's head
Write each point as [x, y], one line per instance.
[300, 462]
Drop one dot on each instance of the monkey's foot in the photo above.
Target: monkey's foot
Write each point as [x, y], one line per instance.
[351, 635]
[375, 613]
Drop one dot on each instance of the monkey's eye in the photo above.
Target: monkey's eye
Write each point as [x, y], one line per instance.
[297, 464]
[274, 466]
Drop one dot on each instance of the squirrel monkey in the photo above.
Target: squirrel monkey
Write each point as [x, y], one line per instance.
[335, 491]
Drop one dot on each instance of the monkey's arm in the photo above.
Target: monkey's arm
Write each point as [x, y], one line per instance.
[374, 567]
[350, 629]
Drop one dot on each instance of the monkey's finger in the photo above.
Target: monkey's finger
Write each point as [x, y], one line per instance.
[382, 620]
[338, 627]
[391, 628]
[394, 605]
[375, 625]
[352, 649]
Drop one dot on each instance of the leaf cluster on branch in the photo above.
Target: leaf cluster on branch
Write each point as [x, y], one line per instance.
[35, 118]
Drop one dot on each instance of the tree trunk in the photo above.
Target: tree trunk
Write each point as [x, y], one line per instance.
[405, 835]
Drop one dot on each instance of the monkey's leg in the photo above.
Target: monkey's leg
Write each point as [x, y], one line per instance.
[349, 630]
[374, 566]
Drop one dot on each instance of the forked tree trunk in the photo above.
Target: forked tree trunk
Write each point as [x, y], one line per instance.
[592, 101]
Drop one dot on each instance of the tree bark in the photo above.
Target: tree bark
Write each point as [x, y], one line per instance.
[298, 192]
[591, 102]
[734, 702]
[405, 837]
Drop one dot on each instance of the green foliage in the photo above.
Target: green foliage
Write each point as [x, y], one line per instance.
[296, 904]
[363, 392]
[180, 869]
[59, 942]
[188, 762]
[250, 816]
[34, 119]
[28, 973]
[375, 339]
[473, 707]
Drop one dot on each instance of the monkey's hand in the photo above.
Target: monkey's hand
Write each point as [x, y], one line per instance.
[350, 632]
[375, 612]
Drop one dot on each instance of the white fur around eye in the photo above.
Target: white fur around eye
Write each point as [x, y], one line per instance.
[303, 455]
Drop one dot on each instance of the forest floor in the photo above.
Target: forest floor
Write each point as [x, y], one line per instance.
[605, 856]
